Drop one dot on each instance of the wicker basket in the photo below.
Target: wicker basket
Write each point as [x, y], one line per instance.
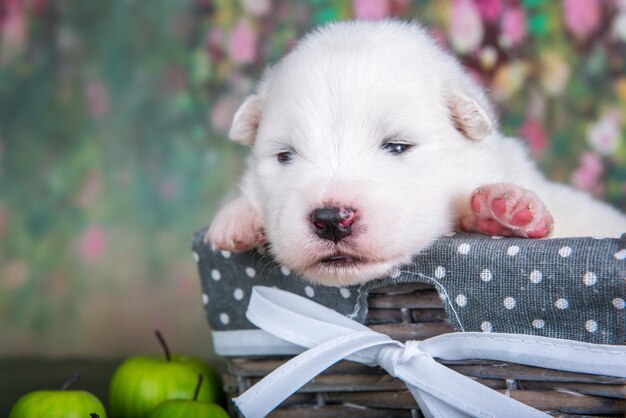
[414, 311]
[411, 311]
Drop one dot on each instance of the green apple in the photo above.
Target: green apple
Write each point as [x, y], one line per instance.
[188, 409]
[58, 404]
[181, 408]
[142, 382]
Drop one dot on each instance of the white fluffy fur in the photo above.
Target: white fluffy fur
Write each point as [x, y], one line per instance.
[333, 100]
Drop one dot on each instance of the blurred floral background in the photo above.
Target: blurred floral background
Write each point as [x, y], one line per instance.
[113, 116]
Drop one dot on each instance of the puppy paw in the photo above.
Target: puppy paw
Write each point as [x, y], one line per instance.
[236, 227]
[507, 210]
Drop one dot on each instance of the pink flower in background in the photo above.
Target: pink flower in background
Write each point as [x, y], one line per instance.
[534, 132]
[222, 113]
[465, 26]
[490, 10]
[582, 17]
[589, 171]
[13, 33]
[513, 26]
[242, 47]
[92, 243]
[97, 98]
[15, 273]
[371, 9]
[604, 135]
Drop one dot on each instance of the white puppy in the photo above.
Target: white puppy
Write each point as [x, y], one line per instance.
[369, 142]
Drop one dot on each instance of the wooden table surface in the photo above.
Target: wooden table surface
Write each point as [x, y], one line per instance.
[19, 376]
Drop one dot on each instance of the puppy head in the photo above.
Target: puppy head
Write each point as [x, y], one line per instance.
[358, 139]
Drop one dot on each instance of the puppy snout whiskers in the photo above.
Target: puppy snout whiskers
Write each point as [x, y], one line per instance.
[333, 223]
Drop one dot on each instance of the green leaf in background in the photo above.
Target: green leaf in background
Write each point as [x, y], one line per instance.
[538, 24]
[531, 4]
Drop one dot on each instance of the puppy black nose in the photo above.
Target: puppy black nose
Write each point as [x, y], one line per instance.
[332, 223]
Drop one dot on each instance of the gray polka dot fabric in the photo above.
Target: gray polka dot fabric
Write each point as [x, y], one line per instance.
[227, 279]
[571, 288]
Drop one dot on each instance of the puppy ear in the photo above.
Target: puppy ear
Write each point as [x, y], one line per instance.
[246, 120]
[468, 116]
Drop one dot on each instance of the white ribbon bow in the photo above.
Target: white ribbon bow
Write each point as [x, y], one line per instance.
[439, 391]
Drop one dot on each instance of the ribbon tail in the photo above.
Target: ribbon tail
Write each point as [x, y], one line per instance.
[532, 350]
[263, 397]
[423, 374]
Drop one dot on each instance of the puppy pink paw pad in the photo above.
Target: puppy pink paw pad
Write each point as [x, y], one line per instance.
[539, 233]
[492, 227]
[498, 206]
[507, 210]
[521, 218]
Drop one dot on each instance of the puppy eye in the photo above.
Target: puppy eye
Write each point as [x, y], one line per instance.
[395, 148]
[285, 157]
